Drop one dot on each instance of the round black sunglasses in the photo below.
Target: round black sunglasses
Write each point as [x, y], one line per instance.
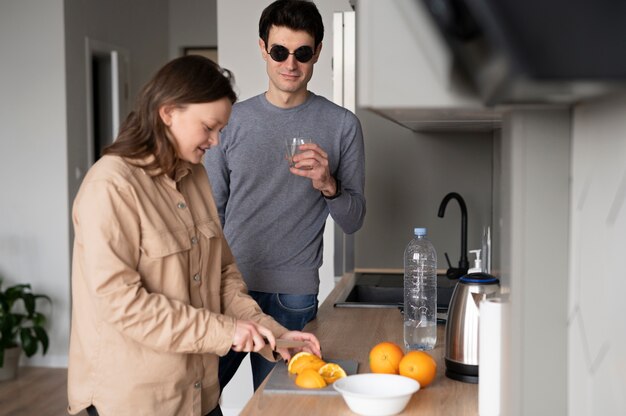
[279, 53]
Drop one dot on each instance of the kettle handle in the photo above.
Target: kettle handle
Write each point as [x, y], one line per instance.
[478, 297]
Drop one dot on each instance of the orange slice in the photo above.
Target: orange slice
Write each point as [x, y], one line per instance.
[295, 358]
[310, 379]
[304, 360]
[331, 372]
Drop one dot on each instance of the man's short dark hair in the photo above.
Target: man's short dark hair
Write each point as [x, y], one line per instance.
[295, 15]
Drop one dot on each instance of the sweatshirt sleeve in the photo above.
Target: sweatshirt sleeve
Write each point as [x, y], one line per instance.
[348, 209]
[217, 169]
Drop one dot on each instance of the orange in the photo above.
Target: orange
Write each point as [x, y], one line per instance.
[331, 372]
[295, 358]
[310, 379]
[419, 366]
[385, 358]
[303, 360]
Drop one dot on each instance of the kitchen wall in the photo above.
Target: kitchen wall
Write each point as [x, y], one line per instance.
[407, 176]
[563, 194]
[596, 370]
[192, 23]
[534, 217]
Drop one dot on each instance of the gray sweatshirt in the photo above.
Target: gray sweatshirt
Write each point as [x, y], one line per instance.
[274, 220]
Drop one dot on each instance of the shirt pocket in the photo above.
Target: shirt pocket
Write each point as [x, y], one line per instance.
[165, 244]
[209, 229]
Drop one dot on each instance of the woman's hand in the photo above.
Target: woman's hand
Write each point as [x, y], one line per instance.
[249, 337]
[313, 344]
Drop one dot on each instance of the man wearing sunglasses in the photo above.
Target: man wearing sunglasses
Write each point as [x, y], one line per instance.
[274, 215]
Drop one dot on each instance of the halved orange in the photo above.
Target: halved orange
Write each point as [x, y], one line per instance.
[331, 372]
[304, 360]
[294, 358]
[310, 379]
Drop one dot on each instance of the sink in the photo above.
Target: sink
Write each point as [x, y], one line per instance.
[386, 290]
[375, 290]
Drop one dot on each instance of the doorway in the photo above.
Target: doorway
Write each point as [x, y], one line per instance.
[107, 69]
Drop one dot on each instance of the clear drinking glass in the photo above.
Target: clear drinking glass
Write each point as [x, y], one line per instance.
[293, 147]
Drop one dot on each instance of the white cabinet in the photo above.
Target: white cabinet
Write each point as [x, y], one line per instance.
[405, 71]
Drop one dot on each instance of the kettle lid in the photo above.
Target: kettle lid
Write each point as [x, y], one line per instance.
[481, 278]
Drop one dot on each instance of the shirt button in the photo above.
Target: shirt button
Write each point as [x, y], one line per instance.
[194, 240]
[181, 205]
[197, 384]
[196, 277]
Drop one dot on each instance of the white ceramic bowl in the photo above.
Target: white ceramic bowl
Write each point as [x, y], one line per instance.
[376, 394]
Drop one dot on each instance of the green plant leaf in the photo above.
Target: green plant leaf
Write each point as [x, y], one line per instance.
[29, 342]
[42, 336]
[38, 319]
[19, 327]
[29, 303]
[17, 319]
[4, 303]
[16, 292]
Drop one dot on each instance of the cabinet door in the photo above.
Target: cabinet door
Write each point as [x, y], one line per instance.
[406, 71]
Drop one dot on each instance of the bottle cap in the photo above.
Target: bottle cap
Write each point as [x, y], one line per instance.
[419, 231]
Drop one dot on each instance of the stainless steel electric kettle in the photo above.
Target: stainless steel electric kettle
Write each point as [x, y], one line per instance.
[461, 352]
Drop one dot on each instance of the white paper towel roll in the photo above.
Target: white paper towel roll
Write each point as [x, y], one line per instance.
[492, 357]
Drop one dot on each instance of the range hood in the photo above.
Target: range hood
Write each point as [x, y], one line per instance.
[536, 51]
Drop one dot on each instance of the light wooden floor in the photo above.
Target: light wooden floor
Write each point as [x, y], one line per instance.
[37, 391]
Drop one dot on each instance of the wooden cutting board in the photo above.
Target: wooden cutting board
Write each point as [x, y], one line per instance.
[281, 381]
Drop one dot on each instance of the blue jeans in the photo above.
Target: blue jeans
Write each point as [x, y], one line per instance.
[291, 311]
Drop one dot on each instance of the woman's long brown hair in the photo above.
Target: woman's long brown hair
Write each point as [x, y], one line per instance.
[190, 79]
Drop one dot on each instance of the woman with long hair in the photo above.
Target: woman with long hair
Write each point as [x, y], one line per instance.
[156, 293]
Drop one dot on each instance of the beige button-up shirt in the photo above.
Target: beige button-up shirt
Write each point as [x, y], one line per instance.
[155, 293]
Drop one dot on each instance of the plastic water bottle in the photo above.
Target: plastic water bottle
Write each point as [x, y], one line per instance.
[420, 293]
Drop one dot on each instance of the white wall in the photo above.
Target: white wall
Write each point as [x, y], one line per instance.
[140, 27]
[239, 51]
[43, 131]
[192, 23]
[597, 333]
[407, 175]
[34, 228]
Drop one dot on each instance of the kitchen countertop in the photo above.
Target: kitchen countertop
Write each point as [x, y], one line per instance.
[350, 333]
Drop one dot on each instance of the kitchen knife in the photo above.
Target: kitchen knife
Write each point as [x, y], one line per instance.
[290, 343]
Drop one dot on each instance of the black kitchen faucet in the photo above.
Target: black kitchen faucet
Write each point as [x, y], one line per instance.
[456, 272]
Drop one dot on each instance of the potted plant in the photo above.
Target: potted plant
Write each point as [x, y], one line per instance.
[21, 327]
